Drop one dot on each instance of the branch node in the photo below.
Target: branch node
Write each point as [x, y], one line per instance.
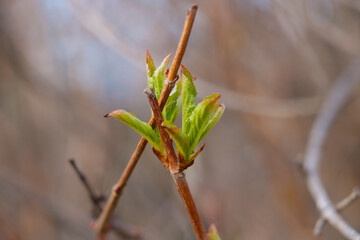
[355, 193]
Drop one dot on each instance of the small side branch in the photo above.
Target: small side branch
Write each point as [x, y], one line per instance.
[116, 226]
[336, 99]
[355, 194]
[95, 199]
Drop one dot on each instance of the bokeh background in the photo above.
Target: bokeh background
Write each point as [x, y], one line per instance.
[65, 63]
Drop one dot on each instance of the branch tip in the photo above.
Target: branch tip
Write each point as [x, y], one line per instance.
[193, 8]
[72, 161]
[150, 92]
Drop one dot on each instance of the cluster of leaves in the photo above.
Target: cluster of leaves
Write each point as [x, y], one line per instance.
[197, 120]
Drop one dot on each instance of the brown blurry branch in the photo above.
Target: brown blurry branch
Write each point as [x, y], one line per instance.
[336, 99]
[171, 79]
[354, 4]
[331, 33]
[266, 107]
[95, 199]
[291, 19]
[7, 229]
[114, 225]
[97, 25]
[61, 211]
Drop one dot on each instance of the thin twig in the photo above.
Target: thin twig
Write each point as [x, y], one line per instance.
[119, 186]
[179, 177]
[95, 199]
[336, 99]
[117, 227]
[339, 207]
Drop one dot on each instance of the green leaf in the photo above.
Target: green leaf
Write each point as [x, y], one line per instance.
[200, 117]
[196, 153]
[156, 76]
[141, 127]
[188, 93]
[213, 234]
[181, 140]
[150, 67]
[159, 76]
[213, 119]
[173, 104]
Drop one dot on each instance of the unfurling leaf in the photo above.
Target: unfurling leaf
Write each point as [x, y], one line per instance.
[141, 127]
[173, 104]
[156, 77]
[181, 140]
[213, 119]
[150, 67]
[199, 118]
[196, 153]
[197, 121]
[188, 92]
[213, 234]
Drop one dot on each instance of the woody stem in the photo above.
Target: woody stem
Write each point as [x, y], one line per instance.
[178, 176]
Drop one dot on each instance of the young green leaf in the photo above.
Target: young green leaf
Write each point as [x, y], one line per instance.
[213, 119]
[195, 154]
[188, 92]
[200, 117]
[213, 234]
[156, 76]
[150, 67]
[159, 76]
[173, 104]
[141, 127]
[181, 140]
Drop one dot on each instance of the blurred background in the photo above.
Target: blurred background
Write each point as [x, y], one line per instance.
[66, 63]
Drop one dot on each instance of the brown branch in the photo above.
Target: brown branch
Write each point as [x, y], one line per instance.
[117, 227]
[95, 199]
[336, 99]
[119, 186]
[184, 191]
[179, 177]
[7, 229]
[189, 21]
[170, 152]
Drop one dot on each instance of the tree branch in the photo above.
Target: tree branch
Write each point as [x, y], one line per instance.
[119, 186]
[339, 206]
[95, 199]
[177, 174]
[335, 100]
[117, 227]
